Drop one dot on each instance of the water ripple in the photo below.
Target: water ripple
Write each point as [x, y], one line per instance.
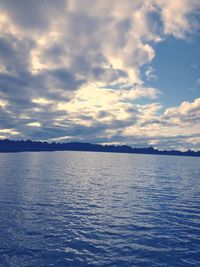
[97, 209]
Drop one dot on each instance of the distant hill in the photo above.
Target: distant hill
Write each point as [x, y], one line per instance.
[21, 146]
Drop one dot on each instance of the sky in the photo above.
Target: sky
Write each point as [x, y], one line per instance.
[103, 71]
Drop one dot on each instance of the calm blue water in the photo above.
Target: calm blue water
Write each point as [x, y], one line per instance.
[99, 209]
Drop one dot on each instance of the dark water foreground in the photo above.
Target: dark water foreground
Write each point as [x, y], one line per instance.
[99, 209]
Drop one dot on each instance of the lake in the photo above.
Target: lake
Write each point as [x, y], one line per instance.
[99, 209]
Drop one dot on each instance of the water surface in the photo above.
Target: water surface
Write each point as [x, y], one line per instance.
[99, 209]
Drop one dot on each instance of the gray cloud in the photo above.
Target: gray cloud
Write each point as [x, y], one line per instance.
[32, 14]
[14, 52]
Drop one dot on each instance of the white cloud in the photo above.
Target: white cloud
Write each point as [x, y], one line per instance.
[176, 16]
[34, 124]
[185, 110]
[8, 132]
[150, 73]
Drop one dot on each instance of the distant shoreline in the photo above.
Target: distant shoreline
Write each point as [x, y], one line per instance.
[10, 146]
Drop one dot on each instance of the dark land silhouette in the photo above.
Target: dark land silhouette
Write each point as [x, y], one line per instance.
[22, 146]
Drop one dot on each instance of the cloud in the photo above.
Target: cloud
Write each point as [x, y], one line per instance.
[150, 73]
[73, 69]
[179, 17]
[31, 15]
[176, 127]
[187, 112]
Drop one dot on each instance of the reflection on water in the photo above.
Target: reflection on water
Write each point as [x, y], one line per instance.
[99, 209]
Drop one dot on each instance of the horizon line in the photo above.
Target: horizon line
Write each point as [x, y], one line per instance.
[7, 145]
